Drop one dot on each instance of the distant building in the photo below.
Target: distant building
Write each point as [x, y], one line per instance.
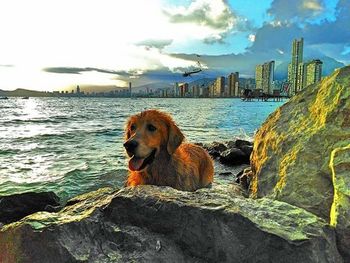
[309, 73]
[78, 89]
[183, 89]
[293, 67]
[219, 87]
[233, 84]
[264, 76]
[258, 76]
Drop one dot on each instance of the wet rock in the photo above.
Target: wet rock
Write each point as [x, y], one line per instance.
[244, 178]
[15, 207]
[300, 153]
[240, 143]
[247, 149]
[215, 148]
[225, 173]
[161, 224]
[234, 156]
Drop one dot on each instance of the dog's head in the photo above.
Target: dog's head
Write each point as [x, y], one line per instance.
[147, 134]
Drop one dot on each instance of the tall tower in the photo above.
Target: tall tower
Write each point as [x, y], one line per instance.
[264, 76]
[293, 67]
[313, 72]
[233, 81]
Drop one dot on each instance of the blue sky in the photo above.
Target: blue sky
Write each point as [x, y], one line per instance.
[51, 45]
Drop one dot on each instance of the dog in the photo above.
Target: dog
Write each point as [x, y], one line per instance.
[158, 155]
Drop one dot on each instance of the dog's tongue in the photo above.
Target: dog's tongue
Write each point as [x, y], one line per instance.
[135, 163]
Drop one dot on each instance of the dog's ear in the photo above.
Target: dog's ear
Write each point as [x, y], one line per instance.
[175, 138]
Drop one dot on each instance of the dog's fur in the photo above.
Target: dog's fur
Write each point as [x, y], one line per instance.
[183, 166]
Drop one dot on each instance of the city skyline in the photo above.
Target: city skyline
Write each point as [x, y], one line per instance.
[59, 45]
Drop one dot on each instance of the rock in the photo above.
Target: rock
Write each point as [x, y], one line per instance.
[247, 149]
[299, 155]
[234, 156]
[161, 224]
[225, 173]
[240, 143]
[215, 148]
[340, 210]
[244, 178]
[15, 207]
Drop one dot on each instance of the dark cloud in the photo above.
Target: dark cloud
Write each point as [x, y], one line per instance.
[155, 43]
[72, 70]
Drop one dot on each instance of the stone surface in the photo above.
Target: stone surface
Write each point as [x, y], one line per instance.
[233, 156]
[15, 207]
[161, 224]
[293, 151]
[230, 153]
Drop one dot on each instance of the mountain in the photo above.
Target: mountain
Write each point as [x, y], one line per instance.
[24, 93]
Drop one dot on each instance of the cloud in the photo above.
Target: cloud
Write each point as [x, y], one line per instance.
[297, 9]
[155, 43]
[72, 70]
[214, 15]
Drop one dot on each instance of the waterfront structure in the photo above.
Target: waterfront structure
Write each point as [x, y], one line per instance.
[264, 76]
[293, 67]
[233, 84]
[78, 89]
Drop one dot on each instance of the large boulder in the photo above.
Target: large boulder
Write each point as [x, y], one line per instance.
[300, 153]
[15, 207]
[161, 224]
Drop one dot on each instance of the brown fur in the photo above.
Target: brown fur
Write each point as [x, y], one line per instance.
[183, 166]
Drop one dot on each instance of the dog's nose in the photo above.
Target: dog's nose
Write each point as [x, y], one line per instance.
[130, 146]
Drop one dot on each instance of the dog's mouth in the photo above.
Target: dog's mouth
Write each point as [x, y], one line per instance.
[138, 164]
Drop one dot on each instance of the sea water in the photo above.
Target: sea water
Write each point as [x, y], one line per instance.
[74, 145]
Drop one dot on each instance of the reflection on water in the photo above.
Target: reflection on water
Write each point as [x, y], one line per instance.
[71, 145]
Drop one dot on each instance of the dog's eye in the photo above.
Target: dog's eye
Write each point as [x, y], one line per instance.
[133, 127]
[151, 128]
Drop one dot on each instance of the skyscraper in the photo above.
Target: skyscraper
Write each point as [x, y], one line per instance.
[264, 76]
[258, 76]
[313, 72]
[293, 67]
[309, 72]
[219, 87]
[233, 81]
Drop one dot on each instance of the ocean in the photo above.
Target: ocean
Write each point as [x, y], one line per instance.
[74, 145]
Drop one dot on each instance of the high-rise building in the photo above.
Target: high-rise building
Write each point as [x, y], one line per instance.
[258, 76]
[264, 76]
[219, 87]
[268, 76]
[183, 89]
[313, 72]
[293, 67]
[78, 89]
[233, 81]
[309, 72]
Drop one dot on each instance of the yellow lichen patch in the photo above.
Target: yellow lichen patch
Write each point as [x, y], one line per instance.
[337, 198]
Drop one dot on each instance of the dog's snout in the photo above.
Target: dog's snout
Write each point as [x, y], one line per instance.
[130, 146]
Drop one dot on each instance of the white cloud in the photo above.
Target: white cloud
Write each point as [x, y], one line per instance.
[251, 37]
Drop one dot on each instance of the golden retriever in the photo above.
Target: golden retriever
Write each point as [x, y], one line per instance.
[158, 155]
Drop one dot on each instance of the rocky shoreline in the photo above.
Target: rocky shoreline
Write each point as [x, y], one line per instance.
[290, 202]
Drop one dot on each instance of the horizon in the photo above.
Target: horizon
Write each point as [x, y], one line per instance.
[59, 45]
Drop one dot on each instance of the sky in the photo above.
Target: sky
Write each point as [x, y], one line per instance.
[57, 44]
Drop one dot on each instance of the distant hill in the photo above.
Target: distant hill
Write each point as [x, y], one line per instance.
[153, 86]
[200, 82]
[24, 93]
